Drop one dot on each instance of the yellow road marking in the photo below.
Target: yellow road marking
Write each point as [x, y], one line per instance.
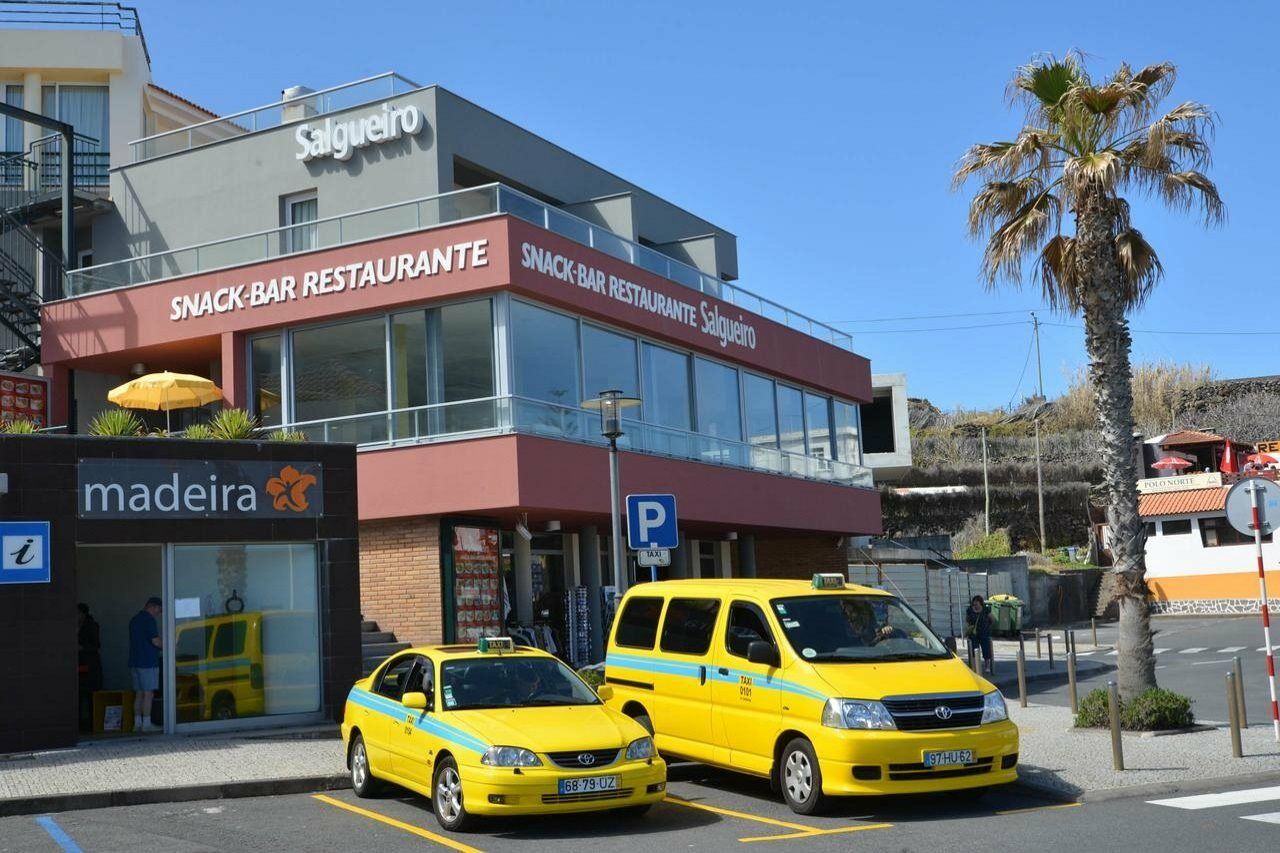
[800, 830]
[813, 832]
[1040, 808]
[407, 827]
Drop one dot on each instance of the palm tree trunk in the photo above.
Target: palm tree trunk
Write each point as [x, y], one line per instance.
[1108, 343]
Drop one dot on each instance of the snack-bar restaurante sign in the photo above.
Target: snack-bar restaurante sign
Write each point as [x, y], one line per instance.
[332, 280]
[194, 488]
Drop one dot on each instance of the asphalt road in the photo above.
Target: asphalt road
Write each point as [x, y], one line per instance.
[716, 811]
[1193, 662]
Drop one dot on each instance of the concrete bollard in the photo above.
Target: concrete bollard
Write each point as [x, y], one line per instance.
[1093, 625]
[1048, 638]
[1071, 682]
[1233, 717]
[1113, 715]
[1038, 644]
[1022, 679]
[1243, 711]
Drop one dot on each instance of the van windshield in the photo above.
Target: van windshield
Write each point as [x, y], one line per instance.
[856, 629]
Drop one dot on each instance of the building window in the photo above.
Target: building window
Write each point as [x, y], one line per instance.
[846, 418]
[11, 137]
[719, 411]
[1175, 526]
[545, 371]
[1215, 532]
[298, 211]
[409, 372]
[462, 354]
[264, 357]
[791, 419]
[877, 425]
[761, 408]
[706, 559]
[608, 362]
[817, 411]
[667, 398]
[338, 371]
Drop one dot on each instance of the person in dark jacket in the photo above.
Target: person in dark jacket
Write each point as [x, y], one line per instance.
[88, 662]
[978, 630]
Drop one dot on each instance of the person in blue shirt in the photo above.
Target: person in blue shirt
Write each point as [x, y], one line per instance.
[144, 662]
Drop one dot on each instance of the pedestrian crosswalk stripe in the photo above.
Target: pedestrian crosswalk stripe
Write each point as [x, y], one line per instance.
[1083, 654]
[1225, 798]
[1159, 651]
[1273, 817]
[1229, 649]
[1113, 652]
[1264, 648]
[1191, 651]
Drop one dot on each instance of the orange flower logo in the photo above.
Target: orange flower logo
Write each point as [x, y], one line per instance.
[289, 490]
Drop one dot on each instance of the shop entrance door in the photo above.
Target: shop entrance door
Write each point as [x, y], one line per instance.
[113, 584]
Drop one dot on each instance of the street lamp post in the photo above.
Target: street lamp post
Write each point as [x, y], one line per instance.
[611, 403]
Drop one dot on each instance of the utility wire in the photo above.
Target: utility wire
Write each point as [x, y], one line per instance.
[939, 328]
[927, 317]
[1023, 374]
[1169, 331]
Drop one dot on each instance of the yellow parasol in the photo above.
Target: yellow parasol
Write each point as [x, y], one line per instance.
[165, 392]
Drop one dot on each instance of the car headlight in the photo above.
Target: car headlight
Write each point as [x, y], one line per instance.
[509, 756]
[993, 708]
[640, 748]
[856, 714]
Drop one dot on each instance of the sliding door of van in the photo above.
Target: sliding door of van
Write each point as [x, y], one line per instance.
[682, 712]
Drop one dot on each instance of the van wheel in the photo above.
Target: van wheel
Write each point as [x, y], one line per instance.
[362, 781]
[801, 778]
[643, 719]
[224, 708]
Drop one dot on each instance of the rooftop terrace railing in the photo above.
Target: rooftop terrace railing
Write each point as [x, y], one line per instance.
[67, 14]
[303, 105]
[431, 212]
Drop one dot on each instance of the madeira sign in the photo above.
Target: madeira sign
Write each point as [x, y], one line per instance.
[193, 488]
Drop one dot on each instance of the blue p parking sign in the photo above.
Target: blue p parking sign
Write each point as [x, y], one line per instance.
[24, 552]
[651, 522]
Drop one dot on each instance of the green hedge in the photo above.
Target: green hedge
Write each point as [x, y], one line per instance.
[1012, 507]
[1151, 710]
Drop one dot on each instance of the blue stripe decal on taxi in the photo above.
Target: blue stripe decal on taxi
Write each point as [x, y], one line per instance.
[425, 722]
[694, 670]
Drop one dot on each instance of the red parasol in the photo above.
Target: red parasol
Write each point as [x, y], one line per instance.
[1262, 459]
[1174, 463]
[1228, 463]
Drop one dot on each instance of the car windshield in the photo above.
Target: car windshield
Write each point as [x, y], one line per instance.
[511, 682]
[856, 629]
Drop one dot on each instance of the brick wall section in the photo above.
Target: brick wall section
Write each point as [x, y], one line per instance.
[800, 557]
[400, 585]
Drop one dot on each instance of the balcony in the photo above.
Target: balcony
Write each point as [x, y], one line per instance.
[489, 416]
[424, 213]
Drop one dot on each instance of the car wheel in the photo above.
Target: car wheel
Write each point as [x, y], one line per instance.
[224, 708]
[451, 812]
[362, 781]
[643, 719]
[801, 778]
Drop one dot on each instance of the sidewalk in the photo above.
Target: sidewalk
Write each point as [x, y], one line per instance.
[1060, 760]
[1038, 670]
[156, 769]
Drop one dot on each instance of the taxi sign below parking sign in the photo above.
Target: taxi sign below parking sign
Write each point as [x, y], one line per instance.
[651, 522]
[24, 552]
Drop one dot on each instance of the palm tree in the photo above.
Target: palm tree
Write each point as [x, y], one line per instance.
[1083, 143]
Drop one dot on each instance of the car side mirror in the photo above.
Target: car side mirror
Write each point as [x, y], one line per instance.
[417, 700]
[759, 651]
[605, 692]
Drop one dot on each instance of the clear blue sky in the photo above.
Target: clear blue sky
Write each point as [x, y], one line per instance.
[823, 135]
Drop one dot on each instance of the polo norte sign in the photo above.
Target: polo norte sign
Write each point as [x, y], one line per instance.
[194, 488]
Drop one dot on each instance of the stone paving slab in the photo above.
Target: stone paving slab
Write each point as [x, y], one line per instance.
[1058, 758]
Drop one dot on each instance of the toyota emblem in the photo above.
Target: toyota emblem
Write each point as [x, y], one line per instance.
[942, 712]
[586, 759]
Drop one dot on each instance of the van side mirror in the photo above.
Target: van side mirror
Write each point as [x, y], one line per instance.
[418, 701]
[605, 692]
[759, 651]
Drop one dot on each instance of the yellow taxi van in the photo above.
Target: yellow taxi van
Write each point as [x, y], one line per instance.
[496, 729]
[824, 688]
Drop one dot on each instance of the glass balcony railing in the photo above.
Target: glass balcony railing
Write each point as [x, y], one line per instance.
[523, 416]
[423, 213]
[304, 105]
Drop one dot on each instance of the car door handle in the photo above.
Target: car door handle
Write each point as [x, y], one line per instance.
[724, 670]
[702, 675]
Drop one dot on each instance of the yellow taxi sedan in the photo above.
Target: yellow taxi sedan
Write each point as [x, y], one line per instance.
[495, 729]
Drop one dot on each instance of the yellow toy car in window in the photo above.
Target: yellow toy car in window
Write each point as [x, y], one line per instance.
[823, 688]
[496, 729]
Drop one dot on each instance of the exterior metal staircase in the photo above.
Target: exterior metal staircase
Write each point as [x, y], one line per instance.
[24, 263]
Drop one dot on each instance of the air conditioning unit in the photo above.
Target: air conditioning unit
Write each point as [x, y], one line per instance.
[298, 104]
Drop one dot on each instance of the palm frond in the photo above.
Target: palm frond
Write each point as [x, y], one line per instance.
[1103, 168]
[1042, 83]
[1032, 150]
[1179, 136]
[1057, 274]
[1019, 236]
[1191, 190]
[999, 200]
[1140, 265]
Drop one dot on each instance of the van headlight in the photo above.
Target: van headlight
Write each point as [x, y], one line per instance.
[856, 714]
[640, 749]
[993, 708]
[509, 756]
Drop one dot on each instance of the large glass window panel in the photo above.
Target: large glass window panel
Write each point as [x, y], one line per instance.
[719, 413]
[609, 361]
[409, 387]
[247, 631]
[338, 371]
[464, 364]
[817, 411]
[667, 400]
[790, 419]
[846, 415]
[545, 360]
[264, 356]
[762, 411]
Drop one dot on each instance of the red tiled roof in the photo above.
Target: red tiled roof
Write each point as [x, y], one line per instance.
[1183, 503]
[1189, 436]
[178, 97]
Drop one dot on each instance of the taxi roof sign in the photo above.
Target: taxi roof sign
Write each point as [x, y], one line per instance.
[828, 580]
[496, 644]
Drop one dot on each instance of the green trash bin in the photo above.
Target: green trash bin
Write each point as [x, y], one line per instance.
[1006, 614]
[1015, 616]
